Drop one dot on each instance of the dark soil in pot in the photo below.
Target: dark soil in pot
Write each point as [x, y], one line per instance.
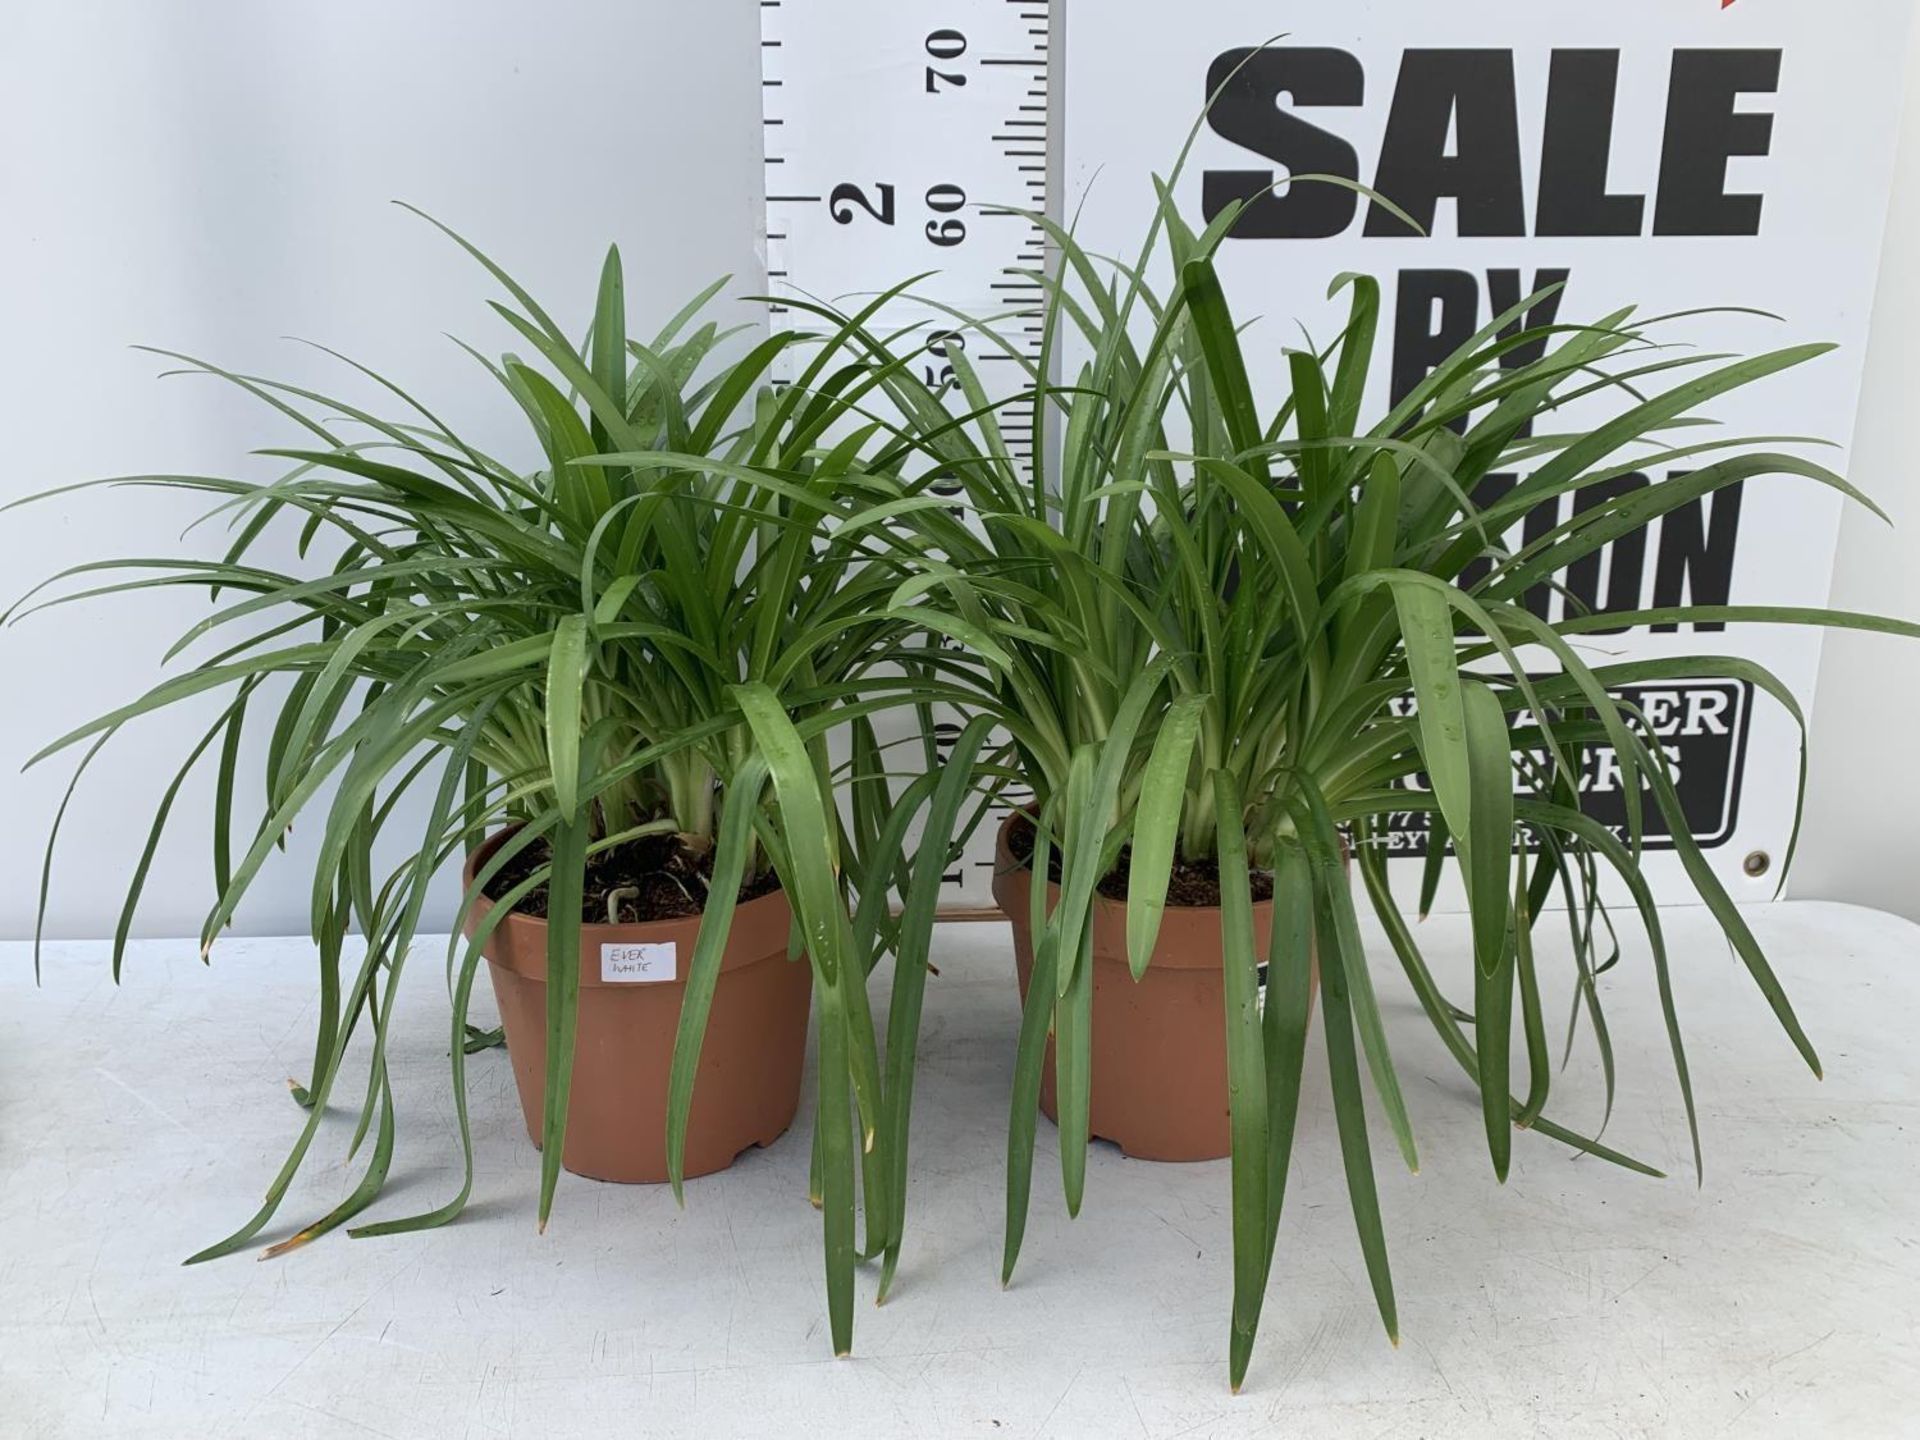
[1189, 883]
[667, 878]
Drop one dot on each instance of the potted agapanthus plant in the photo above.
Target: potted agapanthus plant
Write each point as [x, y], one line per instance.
[614, 679]
[1199, 630]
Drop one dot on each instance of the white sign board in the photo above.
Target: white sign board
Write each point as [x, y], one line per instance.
[1669, 154]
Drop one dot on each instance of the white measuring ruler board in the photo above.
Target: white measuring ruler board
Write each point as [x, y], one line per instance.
[902, 136]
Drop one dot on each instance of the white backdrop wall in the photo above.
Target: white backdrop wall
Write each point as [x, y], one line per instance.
[212, 176]
[1861, 841]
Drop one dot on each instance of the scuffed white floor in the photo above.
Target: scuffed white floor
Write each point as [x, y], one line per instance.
[139, 1123]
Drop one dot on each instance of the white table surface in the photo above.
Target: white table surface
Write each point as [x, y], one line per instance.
[1783, 1298]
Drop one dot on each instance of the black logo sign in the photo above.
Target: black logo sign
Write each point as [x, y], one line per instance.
[1701, 725]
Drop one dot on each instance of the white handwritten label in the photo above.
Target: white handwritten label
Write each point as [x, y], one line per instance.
[641, 964]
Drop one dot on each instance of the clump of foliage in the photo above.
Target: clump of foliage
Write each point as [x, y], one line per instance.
[653, 633]
[1199, 628]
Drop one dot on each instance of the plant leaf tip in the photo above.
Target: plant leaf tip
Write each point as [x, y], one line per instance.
[293, 1242]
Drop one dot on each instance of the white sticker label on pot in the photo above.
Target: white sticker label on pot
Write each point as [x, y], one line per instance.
[639, 964]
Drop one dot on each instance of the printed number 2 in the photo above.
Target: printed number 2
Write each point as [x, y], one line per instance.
[845, 196]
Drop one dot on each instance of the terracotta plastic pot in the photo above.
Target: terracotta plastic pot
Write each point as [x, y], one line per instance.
[632, 982]
[1158, 1087]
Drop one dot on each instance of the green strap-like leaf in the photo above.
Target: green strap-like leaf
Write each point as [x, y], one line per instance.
[1493, 1031]
[1285, 1017]
[1440, 1015]
[1246, 1077]
[910, 973]
[1073, 1012]
[1533, 1020]
[1426, 629]
[1156, 826]
[1029, 1061]
[835, 1121]
[1732, 923]
[1486, 850]
[1341, 928]
[849, 1065]
[1226, 367]
[566, 672]
[1486, 857]
[564, 907]
[703, 971]
[1350, 1109]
